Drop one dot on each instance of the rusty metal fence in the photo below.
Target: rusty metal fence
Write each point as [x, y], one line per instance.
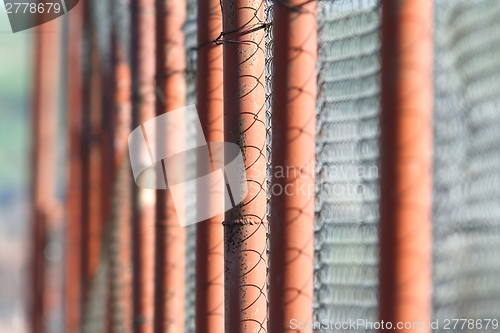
[347, 195]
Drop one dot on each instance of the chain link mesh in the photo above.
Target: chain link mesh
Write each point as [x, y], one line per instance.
[190, 31]
[268, 54]
[466, 248]
[346, 230]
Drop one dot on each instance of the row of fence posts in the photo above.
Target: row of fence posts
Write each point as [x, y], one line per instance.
[135, 233]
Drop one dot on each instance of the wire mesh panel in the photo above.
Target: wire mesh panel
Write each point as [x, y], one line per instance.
[268, 17]
[346, 237]
[190, 31]
[268, 53]
[467, 161]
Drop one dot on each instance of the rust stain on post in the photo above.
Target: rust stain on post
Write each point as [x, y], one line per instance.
[170, 236]
[209, 234]
[44, 124]
[294, 132]
[406, 161]
[245, 125]
[144, 200]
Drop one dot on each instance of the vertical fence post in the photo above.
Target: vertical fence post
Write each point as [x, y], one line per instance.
[73, 286]
[45, 103]
[144, 200]
[293, 161]
[406, 162]
[92, 166]
[209, 234]
[121, 277]
[245, 125]
[120, 247]
[170, 236]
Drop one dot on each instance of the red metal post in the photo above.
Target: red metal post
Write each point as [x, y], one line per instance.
[44, 122]
[92, 170]
[406, 162]
[293, 161]
[209, 234]
[245, 125]
[121, 300]
[73, 280]
[97, 154]
[144, 200]
[170, 236]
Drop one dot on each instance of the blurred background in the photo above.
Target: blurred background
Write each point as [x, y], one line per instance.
[16, 60]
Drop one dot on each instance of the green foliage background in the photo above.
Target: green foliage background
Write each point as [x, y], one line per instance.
[15, 69]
